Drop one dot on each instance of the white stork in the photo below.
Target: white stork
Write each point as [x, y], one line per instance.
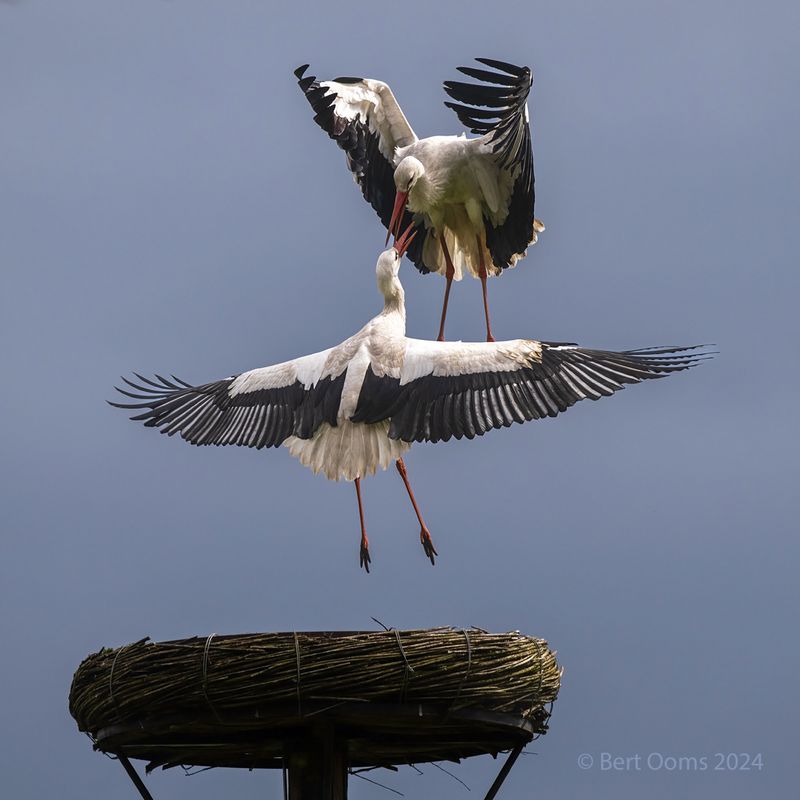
[475, 197]
[358, 406]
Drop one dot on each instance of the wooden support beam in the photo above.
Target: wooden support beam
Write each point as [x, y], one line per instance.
[318, 771]
[503, 774]
[134, 776]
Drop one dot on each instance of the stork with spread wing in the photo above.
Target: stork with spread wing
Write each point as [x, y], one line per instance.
[358, 406]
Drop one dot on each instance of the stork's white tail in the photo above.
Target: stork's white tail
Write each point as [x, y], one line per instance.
[348, 451]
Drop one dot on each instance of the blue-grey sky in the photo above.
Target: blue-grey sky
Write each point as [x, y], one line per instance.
[167, 204]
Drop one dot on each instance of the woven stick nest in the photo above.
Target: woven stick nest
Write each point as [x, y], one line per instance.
[399, 696]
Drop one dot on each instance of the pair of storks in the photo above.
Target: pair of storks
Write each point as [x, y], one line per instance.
[358, 406]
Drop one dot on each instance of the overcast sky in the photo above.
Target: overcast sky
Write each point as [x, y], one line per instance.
[168, 205]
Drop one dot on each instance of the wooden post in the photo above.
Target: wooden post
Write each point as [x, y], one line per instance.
[134, 776]
[318, 768]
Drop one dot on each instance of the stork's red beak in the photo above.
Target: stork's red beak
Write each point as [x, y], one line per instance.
[400, 200]
[402, 243]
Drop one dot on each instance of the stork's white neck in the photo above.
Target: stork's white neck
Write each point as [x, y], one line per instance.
[423, 194]
[394, 296]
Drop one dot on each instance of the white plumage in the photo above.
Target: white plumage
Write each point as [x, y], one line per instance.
[347, 450]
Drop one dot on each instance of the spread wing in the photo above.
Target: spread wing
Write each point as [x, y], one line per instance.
[362, 116]
[260, 408]
[454, 389]
[497, 110]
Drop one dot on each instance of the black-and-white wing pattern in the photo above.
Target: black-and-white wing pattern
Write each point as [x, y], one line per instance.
[257, 409]
[497, 109]
[362, 116]
[453, 389]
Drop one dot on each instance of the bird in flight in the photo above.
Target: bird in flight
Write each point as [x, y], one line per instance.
[473, 197]
[346, 411]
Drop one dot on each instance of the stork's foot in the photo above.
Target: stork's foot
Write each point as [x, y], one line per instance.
[427, 545]
[364, 559]
[489, 337]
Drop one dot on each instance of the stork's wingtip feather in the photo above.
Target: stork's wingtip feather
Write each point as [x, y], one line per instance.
[504, 66]
[701, 347]
[300, 71]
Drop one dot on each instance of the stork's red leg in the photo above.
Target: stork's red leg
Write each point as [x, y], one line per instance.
[449, 272]
[364, 559]
[424, 534]
[483, 275]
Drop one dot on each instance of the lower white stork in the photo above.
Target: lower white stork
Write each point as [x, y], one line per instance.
[358, 406]
[474, 197]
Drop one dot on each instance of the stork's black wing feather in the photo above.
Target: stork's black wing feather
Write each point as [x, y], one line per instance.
[497, 109]
[210, 414]
[505, 92]
[439, 407]
[371, 168]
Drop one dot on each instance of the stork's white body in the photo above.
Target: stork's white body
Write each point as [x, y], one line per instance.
[351, 450]
[460, 187]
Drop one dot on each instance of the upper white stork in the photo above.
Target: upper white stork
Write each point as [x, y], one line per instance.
[358, 406]
[475, 197]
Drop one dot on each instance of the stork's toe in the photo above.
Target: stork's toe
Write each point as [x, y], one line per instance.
[364, 557]
[427, 545]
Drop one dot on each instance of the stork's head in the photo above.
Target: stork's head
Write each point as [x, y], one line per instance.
[408, 172]
[388, 265]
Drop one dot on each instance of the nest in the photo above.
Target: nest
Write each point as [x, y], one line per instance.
[247, 700]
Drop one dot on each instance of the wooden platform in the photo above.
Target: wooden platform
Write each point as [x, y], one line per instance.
[376, 734]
